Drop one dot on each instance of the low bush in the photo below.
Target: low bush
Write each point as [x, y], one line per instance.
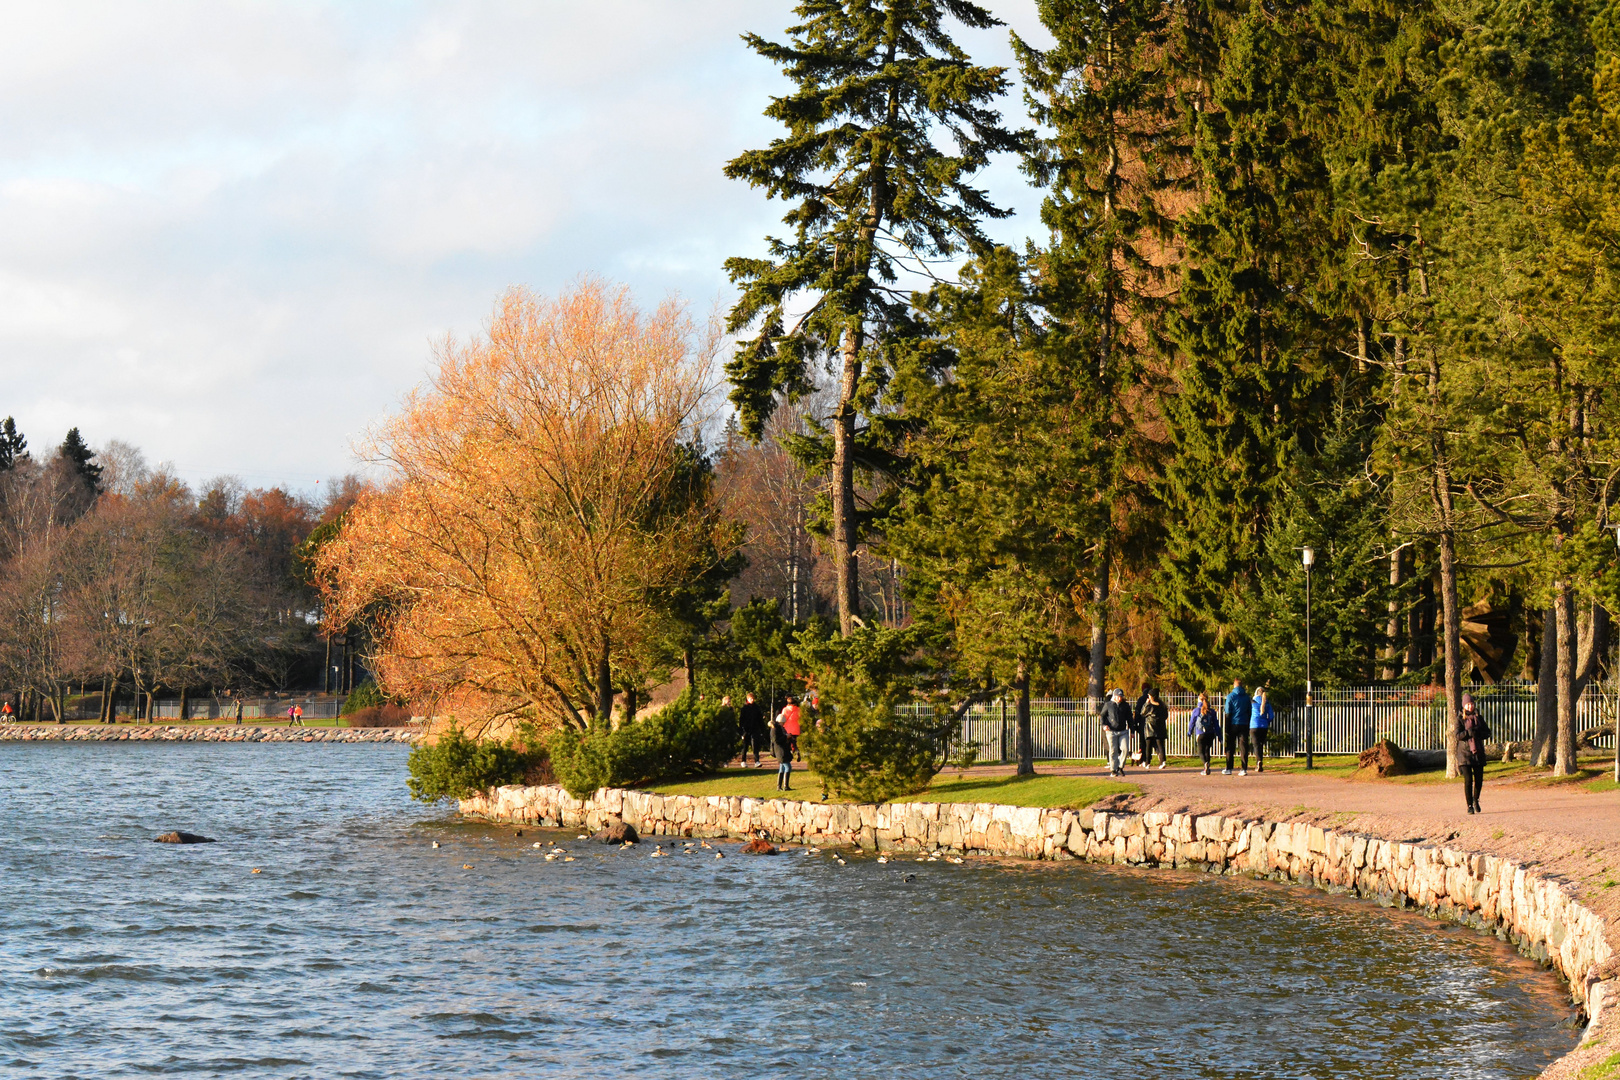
[866, 752]
[685, 738]
[456, 767]
[379, 716]
[368, 695]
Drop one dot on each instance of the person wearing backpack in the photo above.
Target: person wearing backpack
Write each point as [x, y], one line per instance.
[1238, 708]
[1205, 727]
[1260, 717]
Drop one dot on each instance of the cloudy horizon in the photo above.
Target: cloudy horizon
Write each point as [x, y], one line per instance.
[230, 233]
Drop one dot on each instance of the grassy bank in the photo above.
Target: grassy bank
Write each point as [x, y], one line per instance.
[1073, 791]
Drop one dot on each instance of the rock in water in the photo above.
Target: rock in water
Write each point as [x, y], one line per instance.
[758, 847]
[178, 837]
[616, 832]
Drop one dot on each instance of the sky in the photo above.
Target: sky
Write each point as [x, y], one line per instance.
[230, 232]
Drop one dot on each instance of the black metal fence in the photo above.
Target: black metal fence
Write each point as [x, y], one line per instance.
[1346, 720]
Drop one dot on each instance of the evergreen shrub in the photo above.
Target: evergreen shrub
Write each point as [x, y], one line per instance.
[457, 767]
[685, 738]
[864, 750]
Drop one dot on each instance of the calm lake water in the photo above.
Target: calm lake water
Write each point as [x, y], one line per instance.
[360, 950]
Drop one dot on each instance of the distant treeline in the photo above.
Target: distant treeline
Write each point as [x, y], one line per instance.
[118, 580]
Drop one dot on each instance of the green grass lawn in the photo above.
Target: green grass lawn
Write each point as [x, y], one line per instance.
[1038, 790]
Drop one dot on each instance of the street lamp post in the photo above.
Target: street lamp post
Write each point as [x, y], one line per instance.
[1308, 556]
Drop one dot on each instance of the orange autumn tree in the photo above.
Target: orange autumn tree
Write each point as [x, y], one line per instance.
[540, 504]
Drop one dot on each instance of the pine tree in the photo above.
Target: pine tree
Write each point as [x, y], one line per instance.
[1252, 354]
[879, 86]
[1104, 92]
[13, 446]
[994, 526]
[74, 451]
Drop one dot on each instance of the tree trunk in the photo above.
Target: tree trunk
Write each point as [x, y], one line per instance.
[1099, 627]
[326, 667]
[604, 687]
[1453, 646]
[630, 704]
[1026, 736]
[690, 660]
[1392, 630]
[843, 484]
[1541, 747]
[185, 703]
[106, 699]
[1568, 645]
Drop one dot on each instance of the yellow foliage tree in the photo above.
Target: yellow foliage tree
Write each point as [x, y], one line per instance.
[540, 505]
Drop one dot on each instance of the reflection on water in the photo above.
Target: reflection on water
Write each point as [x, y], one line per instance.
[361, 950]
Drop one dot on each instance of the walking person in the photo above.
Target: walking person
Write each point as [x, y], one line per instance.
[782, 747]
[1154, 717]
[1261, 715]
[1238, 709]
[1205, 727]
[1472, 734]
[751, 718]
[1115, 715]
[790, 721]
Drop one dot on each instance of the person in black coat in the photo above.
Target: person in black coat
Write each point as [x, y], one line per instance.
[751, 719]
[1153, 715]
[1472, 734]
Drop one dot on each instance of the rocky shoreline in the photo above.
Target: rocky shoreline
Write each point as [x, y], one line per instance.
[209, 733]
[1492, 894]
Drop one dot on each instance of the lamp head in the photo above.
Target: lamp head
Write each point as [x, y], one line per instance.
[1308, 556]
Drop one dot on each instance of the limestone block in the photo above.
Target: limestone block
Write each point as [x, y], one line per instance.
[1358, 852]
[1209, 827]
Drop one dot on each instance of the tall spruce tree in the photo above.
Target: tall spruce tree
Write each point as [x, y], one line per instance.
[1252, 356]
[78, 454]
[994, 526]
[1104, 92]
[887, 124]
[13, 446]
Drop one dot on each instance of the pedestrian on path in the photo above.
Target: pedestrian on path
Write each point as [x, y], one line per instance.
[1205, 727]
[751, 718]
[1115, 715]
[1472, 734]
[295, 716]
[1238, 708]
[1261, 715]
[1154, 716]
[782, 747]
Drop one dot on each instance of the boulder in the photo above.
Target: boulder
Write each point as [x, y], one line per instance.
[178, 837]
[616, 832]
[759, 847]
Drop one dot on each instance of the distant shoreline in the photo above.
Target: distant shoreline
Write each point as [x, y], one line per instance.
[232, 733]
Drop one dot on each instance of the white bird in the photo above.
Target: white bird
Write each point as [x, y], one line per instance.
[435, 843]
[883, 858]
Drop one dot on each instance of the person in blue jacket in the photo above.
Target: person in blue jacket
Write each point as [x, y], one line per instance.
[1260, 718]
[1238, 708]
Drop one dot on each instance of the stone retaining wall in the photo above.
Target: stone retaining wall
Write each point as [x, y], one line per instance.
[232, 733]
[1483, 891]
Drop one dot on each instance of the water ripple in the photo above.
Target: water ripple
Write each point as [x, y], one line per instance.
[359, 950]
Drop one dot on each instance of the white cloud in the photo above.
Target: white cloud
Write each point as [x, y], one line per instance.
[230, 231]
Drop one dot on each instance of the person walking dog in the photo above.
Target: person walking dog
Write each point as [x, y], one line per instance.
[1472, 734]
[1115, 715]
[1238, 708]
[1261, 715]
[1205, 727]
